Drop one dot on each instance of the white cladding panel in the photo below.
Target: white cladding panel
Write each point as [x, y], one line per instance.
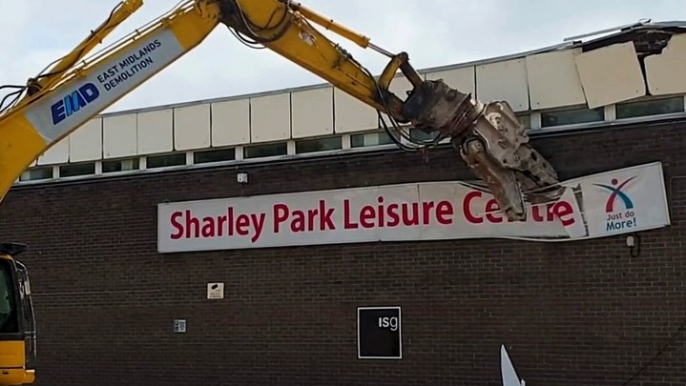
[270, 117]
[57, 154]
[400, 86]
[504, 81]
[85, 143]
[231, 122]
[312, 112]
[666, 73]
[120, 138]
[546, 80]
[192, 127]
[461, 79]
[351, 115]
[553, 80]
[610, 74]
[155, 131]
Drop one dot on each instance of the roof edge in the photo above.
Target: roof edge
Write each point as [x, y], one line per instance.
[568, 43]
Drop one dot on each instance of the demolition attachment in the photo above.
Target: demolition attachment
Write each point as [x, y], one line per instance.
[488, 136]
[490, 140]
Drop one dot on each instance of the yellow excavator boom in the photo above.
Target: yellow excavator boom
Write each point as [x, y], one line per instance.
[76, 88]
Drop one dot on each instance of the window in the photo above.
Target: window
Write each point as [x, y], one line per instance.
[74, 170]
[270, 150]
[39, 173]
[525, 121]
[214, 155]
[650, 107]
[8, 307]
[370, 139]
[572, 116]
[166, 160]
[422, 136]
[112, 166]
[319, 144]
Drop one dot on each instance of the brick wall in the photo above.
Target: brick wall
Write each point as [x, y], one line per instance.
[571, 314]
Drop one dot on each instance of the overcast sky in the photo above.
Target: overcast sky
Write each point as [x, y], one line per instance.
[433, 32]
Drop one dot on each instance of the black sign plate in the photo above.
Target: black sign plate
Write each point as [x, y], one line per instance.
[379, 333]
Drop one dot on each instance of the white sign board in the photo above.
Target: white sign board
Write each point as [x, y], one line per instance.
[606, 204]
[215, 290]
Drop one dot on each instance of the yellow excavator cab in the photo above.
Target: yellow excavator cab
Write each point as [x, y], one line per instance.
[17, 323]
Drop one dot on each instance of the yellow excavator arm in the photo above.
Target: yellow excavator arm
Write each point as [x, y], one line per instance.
[36, 116]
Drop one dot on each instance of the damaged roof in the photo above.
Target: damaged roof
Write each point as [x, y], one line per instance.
[640, 32]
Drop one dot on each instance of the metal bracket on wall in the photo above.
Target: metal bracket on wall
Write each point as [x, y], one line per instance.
[179, 326]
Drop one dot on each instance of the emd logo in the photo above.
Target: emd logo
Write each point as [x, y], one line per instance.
[73, 102]
[619, 216]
